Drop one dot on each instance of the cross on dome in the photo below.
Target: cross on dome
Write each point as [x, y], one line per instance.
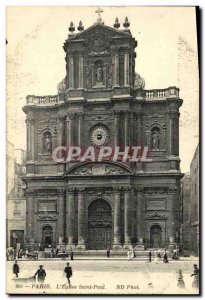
[98, 11]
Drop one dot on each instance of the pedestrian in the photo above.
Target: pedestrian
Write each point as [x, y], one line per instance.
[41, 273]
[165, 257]
[26, 253]
[16, 269]
[132, 254]
[108, 252]
[156, 255]
[71, 255]
[180, 283]
[36, 254]
[150, 256]
[52, 253]
[69, 273]
[195, 283]
[128, 254]
[57, 251]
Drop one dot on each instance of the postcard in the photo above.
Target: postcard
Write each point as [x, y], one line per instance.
[103, 150]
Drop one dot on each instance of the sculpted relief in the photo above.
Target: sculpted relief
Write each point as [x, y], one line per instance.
[99, 169]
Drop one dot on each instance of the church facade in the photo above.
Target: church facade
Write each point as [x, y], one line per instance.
[102, 102]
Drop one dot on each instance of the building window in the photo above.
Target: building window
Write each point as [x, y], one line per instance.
[17, 209]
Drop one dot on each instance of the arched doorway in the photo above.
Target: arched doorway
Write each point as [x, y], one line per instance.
[47, 236]
[99, 225]
[155, 236]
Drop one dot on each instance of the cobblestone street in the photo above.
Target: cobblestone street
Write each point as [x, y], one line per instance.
[105, 277]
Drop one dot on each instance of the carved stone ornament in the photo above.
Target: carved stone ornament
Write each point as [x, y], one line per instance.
[156, 216]
[99, 169]
[172, 190]
[139, 82]
[98, 54]
[112, 170]
[98, 117]
[61, 87]
[47, 217]
[156, 190]
[99, 40]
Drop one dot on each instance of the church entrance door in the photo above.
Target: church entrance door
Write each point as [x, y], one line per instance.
[47, 236]
[99, 225]
[155, 236]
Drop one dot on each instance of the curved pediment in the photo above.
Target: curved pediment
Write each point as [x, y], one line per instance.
[88, 169]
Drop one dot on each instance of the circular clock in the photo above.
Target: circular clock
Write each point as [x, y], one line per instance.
[99, 135]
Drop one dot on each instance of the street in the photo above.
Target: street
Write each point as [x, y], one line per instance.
[104, 277]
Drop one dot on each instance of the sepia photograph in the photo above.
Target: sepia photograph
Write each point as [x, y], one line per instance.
[102, 150]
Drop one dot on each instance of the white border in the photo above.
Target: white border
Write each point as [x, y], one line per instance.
[3, 4]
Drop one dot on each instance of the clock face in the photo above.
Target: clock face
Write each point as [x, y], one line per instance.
[99, 136]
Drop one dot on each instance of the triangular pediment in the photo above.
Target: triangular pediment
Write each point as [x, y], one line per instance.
[97, 37]
[93, 169]
[99, 28]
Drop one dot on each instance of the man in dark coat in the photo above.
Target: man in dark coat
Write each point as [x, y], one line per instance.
[108, 252]
[71, 254]
[165, 257]
[41, 274]
[150, 256]
[16, 269]
[69, 273]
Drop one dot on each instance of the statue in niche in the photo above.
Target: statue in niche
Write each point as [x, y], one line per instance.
[47, 143]
[99, 73]
[155, 139]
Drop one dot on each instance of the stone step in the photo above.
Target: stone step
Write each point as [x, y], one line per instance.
[116, 253]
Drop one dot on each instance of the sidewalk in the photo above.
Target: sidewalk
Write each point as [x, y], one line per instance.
[192, 258]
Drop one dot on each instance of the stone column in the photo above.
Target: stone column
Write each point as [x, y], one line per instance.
[174, 133]
[139, 129]
[117, 127]
[71, 71]
[30, 228]
[30, 136]
[117, 233]
[80, 70]
[172, 219]
[60, 130]
[127, 128]
[126, 68]
[81, 219]
[70, 216]
[80, 129]
[127, 219]
[116, 69]
[61, 216]
[69, 129]
[140, 213]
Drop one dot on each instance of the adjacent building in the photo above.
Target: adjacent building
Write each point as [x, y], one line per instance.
[103, 102]
[185, 238]
[190, 208]
[195, 204]
[16, 201]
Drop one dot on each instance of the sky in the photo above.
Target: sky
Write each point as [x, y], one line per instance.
[166, 56]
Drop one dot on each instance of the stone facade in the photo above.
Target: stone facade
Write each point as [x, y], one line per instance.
[95, 205]
[195, 203]
[16, 201]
